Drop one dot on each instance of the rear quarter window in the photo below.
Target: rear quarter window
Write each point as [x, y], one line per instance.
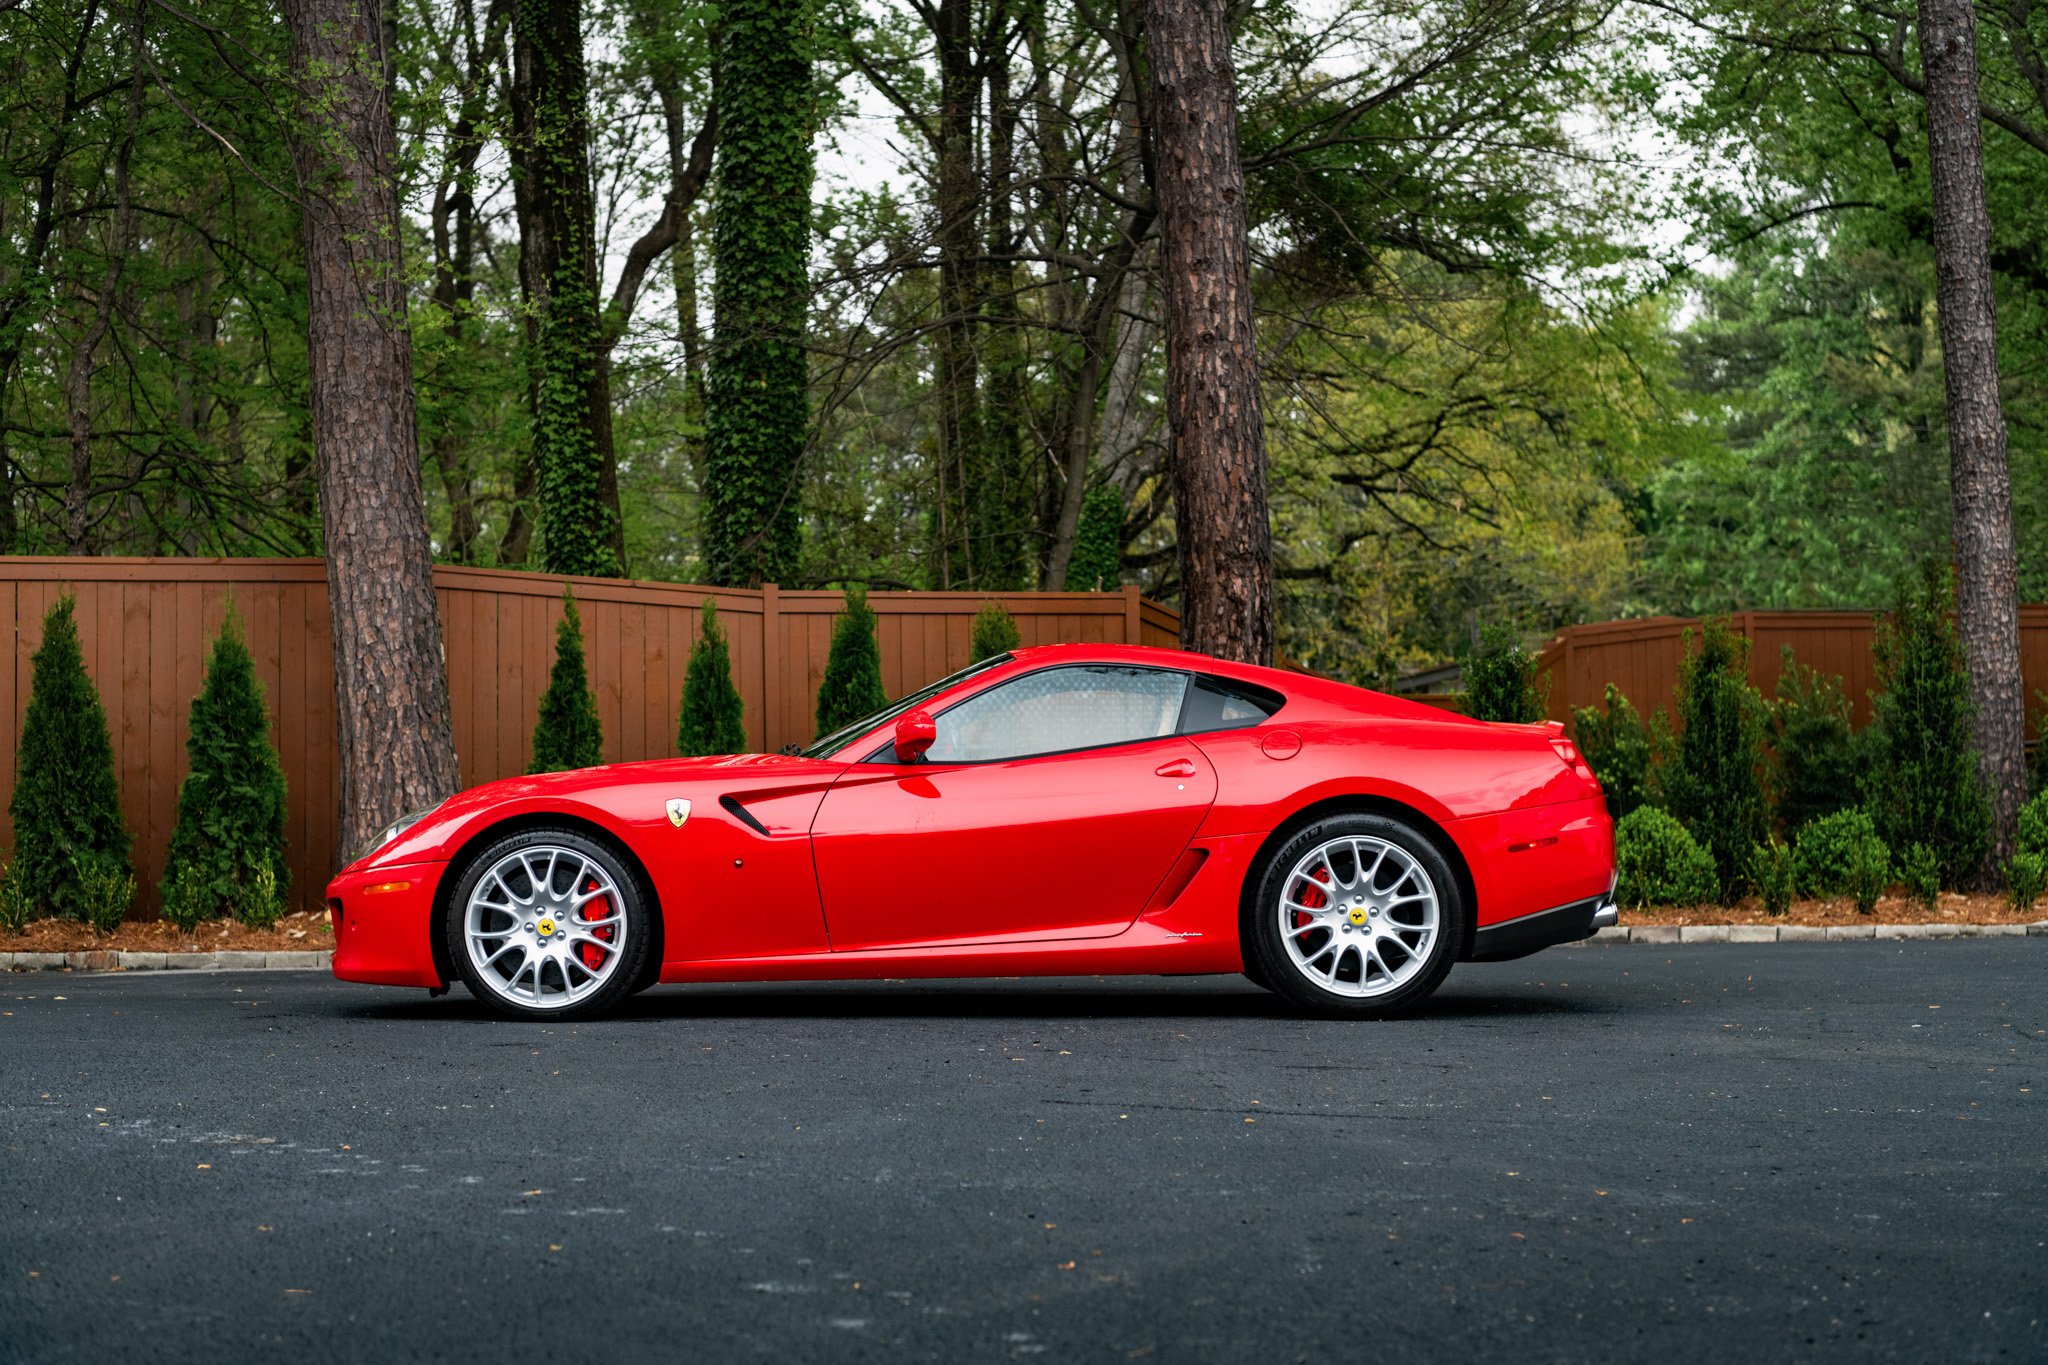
[1223, 704]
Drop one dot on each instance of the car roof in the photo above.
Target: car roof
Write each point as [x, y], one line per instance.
[1298, 686]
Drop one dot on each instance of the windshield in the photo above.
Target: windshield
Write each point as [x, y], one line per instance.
[839, 739]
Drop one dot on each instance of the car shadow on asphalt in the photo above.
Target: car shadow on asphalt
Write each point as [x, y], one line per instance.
[1219, 998]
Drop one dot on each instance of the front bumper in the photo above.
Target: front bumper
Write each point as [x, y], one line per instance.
[384, 924]
[1545, 929]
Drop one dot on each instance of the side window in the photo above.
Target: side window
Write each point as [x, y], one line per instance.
[1083, 707]
[1214, 704]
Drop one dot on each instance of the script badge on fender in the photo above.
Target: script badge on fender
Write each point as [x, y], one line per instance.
[678, 811]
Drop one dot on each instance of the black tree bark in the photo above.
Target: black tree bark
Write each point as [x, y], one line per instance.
[1987, 604]
[1212, 376]
[391, 683]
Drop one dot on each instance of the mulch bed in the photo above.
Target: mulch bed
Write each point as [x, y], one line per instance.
[301, 933]
[1951, 907]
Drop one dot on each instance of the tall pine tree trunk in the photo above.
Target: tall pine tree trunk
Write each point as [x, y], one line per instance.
[397, 751]
[581, 530]
[1987, 606]
[757, 398]
[1212, 376]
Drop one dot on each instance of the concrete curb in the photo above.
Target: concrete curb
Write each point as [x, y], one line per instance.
[1793, 933]
[109, 960]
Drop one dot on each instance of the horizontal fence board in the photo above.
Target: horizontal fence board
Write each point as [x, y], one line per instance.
[147, 626]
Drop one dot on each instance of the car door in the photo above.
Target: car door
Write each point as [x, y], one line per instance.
[1050, 806]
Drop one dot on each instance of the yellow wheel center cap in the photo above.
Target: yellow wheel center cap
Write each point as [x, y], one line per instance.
[546, 928]
[1358, 914]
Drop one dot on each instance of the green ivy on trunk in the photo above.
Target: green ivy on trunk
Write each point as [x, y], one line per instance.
[757, 405]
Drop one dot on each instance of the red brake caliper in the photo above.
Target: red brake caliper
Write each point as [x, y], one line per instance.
[592, 955]
[1313, 898]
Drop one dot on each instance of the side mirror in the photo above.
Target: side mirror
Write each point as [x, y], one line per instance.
[915, 733]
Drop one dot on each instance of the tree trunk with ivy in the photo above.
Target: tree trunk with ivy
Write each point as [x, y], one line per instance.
[756, 393]
[580, 525]
[1987, 568]
[397, 750]
[1212, 374]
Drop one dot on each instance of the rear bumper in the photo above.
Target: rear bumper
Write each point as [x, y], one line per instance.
[383, 924]
[1515, 938]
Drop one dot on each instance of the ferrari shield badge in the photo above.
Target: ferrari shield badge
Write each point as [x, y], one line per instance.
[678, 811]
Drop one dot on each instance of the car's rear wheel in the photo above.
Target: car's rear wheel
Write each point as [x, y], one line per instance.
[549, 924]
[1357, 916]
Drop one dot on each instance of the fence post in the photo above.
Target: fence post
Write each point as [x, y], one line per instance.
[771, 659]
[1134, 630]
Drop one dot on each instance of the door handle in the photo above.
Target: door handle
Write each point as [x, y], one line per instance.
[1179, 767]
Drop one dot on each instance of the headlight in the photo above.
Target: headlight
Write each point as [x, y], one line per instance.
[396, 828]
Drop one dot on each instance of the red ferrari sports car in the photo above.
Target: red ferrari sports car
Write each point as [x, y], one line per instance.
[1065, 810]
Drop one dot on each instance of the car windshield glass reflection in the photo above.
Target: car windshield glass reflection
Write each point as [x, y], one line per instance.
[839, 739]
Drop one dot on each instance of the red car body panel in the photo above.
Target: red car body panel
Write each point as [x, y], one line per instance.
[1127, 859]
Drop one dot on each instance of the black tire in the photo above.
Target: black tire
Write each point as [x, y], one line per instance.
[1268, 961]
[635, 904]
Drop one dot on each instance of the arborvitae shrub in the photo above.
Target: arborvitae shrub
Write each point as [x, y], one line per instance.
[1770, 872]
[568, 734]
[263, 906]
[231, 806]
[1836, 850]
[995, 632]
[1098, 542]
[1715, 782]
[1819, 761]
[1921, 873]
[852, 686]
[67, 803]
[1660, 863]
[1621, 750]
[2026, 877]
[1500, 679]
[1924, 785]
[713, 715]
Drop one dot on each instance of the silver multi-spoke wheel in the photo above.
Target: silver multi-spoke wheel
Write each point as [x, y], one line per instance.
[1358, 916]
[545, 927]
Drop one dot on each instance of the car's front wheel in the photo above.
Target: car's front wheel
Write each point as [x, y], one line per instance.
[548, 924]
[1356, 916]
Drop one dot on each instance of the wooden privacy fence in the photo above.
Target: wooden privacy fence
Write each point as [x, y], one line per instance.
[1641, 657]
[147, 625]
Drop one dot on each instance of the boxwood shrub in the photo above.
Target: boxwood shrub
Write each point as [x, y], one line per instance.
[1842, 854]
[1660, 862]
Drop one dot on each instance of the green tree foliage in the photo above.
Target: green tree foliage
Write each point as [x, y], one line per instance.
[568, 734]
[1621, 750]
[1500, 679]
[1715, 784]
[757, 398]
[69, 839]
[1924, 783]
[713, 714]
[1921, 872]
[1097, 565]
[852, 686]
[1660, 863]
[231, 806]
[995, 632]
[1820, 764]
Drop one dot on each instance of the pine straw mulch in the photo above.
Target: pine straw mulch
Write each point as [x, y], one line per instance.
[301, 933]
[1951, 907]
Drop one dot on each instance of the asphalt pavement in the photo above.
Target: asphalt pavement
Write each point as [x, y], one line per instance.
[1775, 1152]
